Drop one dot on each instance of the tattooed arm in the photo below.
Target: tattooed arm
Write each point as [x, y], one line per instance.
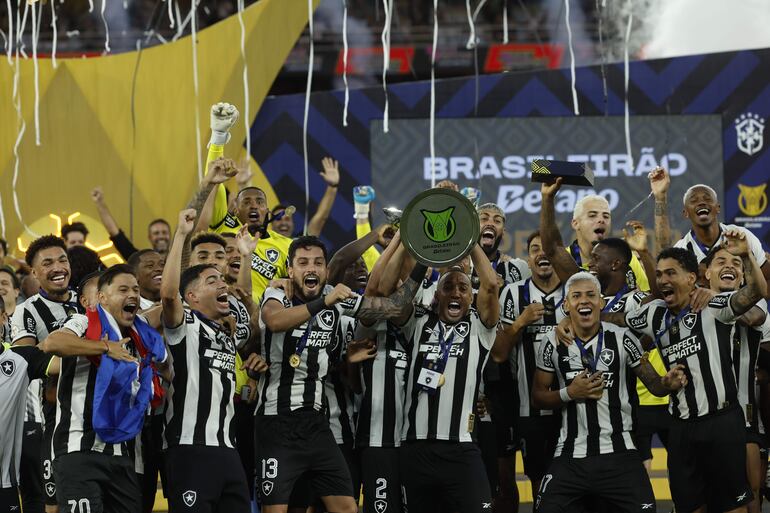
[659, 183]
[661, 385]
[756, 287]
[396, 307]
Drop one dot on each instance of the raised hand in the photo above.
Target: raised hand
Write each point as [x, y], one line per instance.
[448, 184]
[361, 350]
[675, 378]
[736, 243]
[340, 293]
[364, 194]
[220, 171]
[564, 332]
[635, 235]
[330, 172]
[659, 182]
[700, 297]
[223, 118]
[244, 175]
[550, 189]
[97, 195]
[186, 221]
[284, 284]
[245, 242]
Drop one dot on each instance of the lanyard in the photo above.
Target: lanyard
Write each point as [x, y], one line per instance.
[668, 323]
[574, 250]
[526, 294]
[444, 347]
[620, 294]
[302, 342]
[66, 304]
[205, 320]
[584, 353]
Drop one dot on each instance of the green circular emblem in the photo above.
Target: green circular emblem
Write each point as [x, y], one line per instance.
[439, 227]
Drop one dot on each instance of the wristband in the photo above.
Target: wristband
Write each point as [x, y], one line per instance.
[361, 210]
[564, 395]
[220, 138]
[418, 272]
[316, 305]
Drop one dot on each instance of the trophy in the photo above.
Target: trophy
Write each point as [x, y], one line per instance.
[439, 227]
[572, 173]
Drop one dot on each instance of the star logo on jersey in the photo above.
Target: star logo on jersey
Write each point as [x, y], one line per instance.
[619, 306]
[380, 506]
[607, 356]
[189, 497]
[7, 368]
[267, 487]
[462, 329]
[50, 489]
[325, 320]
[690, 320]
[272, 255]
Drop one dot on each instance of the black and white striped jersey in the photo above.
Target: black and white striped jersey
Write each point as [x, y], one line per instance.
[37, 317]
[381, 415]
[449, 413]
[514, 299]
[591, 427]
[33, 413]
[510, 270]
[283, 388]
[703, 343]
[700, 250]
[338, 395]
[242, 320]
[18, 366]
[74, 430]
[746, 340]
[199, 406]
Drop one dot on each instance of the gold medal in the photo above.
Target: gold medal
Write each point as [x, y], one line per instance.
[294, 360]
[441, 380]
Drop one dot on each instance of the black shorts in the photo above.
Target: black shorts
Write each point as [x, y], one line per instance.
[9, 500]
[651, 420]
[538, 441]
[381, 479]
[504, 407]
[46, 462]
[205, 479]
[289, 446]
[450, 472]
[618, 481]
[709, 454]
[31, 470]
[94, 482]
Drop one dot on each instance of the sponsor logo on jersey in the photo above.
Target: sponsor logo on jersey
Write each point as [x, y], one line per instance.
[682, 349]
[262, 267]
[638, 322]
[719, 301]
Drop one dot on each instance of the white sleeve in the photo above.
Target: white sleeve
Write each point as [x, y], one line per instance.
[350, 306]
[633, 349]
[23, 324]
[544, 357]
[175, 336]
[278, 294]
[486, 335]
[721, 307]
[756, 247]
[77, 324]
[508, 304]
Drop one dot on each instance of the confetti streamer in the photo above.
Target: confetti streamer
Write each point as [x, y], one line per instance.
[472, 42]
[22, 128]
[388, 7]
[9, 44]
[246, 116]
[626, 75]
[307, 111]
[106, 28]
[36, 72]
[194, 41]
[90, 5]
[571, 59]
[54, 36]
[505, 22]
[170, 13]
[433, 96]
[345, 61]
[20, 27]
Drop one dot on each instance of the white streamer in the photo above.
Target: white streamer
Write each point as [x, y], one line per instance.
[9, 45]
[433, 96]
[106, 28]
[20, 27]
[307, 111]
[90, 5]
[170, 13]
[246, 117]
[571, 59]
[626, 74]
[55, 36]
[193, 35]
[388, 7]
[36, 72]
[505, 22]
[345, 61]
[471, 44]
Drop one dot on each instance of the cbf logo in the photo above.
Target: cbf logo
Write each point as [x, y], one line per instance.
[439, 226]
[750, 129]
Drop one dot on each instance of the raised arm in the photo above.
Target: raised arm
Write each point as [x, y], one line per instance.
[380, 268]
[636, 237]
[363, 195]
[756, 287]
[246, 247]
[659, 183]
[510, 335]
[278, 319]
[331, 175]
[347, 255]
[396, 307]
[486, 300]
[97, 195]
[550, 238]
[173, 309]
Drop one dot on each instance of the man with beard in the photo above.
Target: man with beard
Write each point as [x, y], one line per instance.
[707, 439]
[701, 207]
[529, 310]
[148, 266]
[301, 340]
[591, 380]
[725, 274]
[35, 319]
[492, 221]
[93, 475]
[158, 231]
[74, 234]
[200, 409]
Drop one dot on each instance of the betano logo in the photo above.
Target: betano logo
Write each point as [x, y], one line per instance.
[752, 200]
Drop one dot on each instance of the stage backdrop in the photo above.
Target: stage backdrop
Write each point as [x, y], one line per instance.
[701, 116]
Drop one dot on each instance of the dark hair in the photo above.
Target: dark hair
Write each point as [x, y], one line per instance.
[227, 235]
[2, 304]
[10, 272]
[41, 243]
[108, 276]
[305, 242]
[83, 261]
[4, 245]
[620, 247]
[250, 187]
[84, 281]
[711, 254]
[190, 275]
[532, 236]
[74, 227]
[207, 238]
[136, 257]
[278, 208]
[159, 221]
[685, 258]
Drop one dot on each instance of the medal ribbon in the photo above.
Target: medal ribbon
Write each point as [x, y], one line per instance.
[584, 352]
[668, 323]
[444, 347]
[302, 342]
[73, 305]
[705, 249]
[620, 294]
[574, 250]
[526, 295]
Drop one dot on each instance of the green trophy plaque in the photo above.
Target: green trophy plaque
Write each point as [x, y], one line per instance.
[439, 227]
